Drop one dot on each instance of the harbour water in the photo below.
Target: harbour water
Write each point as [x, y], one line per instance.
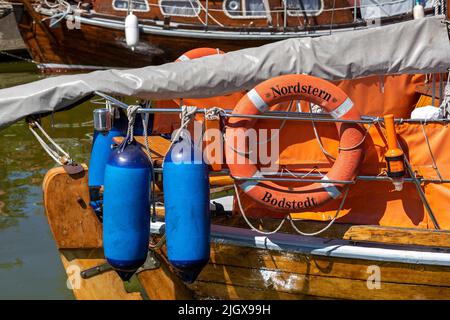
[30, 267]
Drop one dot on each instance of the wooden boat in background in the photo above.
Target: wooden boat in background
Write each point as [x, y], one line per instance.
[90, 35]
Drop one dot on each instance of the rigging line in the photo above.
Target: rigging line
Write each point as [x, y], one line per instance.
[46, 148]
[291, 104]
[435, 167]
[59, 159]
[332, 17]
[325, 152]
[57, 146]
[196, 13]
[328, 225]
[340, 148]
[11, 55]
[147, 148]
[209, 15]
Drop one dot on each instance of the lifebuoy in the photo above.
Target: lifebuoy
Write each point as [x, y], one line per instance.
[198, 53]
[287, 88]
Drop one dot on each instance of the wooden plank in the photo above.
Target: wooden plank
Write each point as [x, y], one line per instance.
[336, 231]
[211, 290]
[66, 200]
[403, 236]
[326, 266]
[163, 284]
[311, 285]
[357, 233]
[105, 286]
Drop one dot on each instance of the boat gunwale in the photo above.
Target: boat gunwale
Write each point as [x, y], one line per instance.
[326, 247]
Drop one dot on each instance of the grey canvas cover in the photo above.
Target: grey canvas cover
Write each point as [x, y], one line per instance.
[418, 46]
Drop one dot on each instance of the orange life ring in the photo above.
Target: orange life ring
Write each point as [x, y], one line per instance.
[287, 88]
[198, 53]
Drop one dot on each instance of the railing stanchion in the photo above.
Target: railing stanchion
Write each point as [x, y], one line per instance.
[207, 14]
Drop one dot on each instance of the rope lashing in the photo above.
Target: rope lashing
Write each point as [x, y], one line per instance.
[445, 104]
[187, 114]
[56, 152]
[214, 113]
[131, 115]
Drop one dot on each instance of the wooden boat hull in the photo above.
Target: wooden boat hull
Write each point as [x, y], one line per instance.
[245, 265]
[91, 47]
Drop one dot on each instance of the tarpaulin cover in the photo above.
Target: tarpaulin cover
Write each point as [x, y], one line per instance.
[417, 46]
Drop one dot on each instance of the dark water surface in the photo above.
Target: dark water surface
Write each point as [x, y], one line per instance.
[30, 267]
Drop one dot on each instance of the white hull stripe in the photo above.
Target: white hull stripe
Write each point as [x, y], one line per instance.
[257, 101]
[250, 184]
[340, 111]
[183, 58]
[331, 189]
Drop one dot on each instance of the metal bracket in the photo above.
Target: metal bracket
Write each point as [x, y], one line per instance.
[95, 271]
[151, 263]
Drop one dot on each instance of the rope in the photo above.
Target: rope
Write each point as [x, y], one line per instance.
[187, 114]
[11, 55]
[445, 104]
[328, 225]
[58, 158]
[59, 16]
[131, 115]
[316, 134]
[289, 217]
[248, 221]
[340, 148]
[159, 244]
[435, 167]
[214, 113]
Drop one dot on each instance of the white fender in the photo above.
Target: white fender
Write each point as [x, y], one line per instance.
[418, 11]
[131, 30]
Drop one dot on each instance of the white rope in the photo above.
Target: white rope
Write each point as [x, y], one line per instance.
[131, 115]
[214, 113]
[187, 114]
[328, 225]
[434, 165]
[159, 244]
[316, 134]
[445, 104]
[281, 126]
[248, 221]
[58, 16]
[57, 146]
[58, 158]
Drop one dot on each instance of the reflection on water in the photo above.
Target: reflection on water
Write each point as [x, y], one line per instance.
[29, 262]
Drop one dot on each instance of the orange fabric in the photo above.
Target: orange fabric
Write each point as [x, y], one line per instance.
[165, 123]
[378, 95]
[370, 202]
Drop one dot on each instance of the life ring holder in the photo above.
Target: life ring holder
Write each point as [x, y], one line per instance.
[286, 88]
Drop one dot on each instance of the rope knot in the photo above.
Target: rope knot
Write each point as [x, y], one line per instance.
[131, 115]
[214, 113]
